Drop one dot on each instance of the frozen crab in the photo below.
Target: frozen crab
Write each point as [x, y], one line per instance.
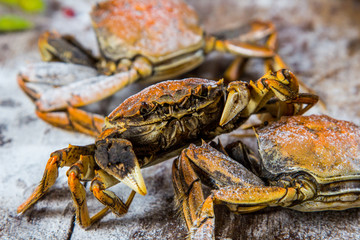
[156, 124]
[306, 163]
[149, 40]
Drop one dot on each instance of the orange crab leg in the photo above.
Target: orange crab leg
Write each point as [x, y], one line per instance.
[249, 200]
[188, 171]
[103, 181]
[83, 171]
[60, 158]
[259, 31]
[74, 119]
[274, 109]
[277, 63]
[243, 45]
[188, 190]
[292, 107]
[49, 178]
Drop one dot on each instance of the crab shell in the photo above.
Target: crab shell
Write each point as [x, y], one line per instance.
[156, 29]
[165, 115]
[325, 148]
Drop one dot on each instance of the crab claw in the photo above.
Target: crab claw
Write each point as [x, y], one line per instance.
[116, 156]
[55, 47]
[237, 99]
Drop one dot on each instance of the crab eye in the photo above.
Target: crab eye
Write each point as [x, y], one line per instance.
[144, 108]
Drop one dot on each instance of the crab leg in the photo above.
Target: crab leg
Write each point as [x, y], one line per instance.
[88, 91]
[204, 164]
[249, 200]
[75, 119]
[277, 63]
[259, 31]
[103, 181]
[70, 92]
[243, 45]
[60, 158]
[83, 170]
[275, 109]
[37, 78]
[292, 107]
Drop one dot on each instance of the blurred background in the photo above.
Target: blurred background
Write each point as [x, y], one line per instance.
[318, 39]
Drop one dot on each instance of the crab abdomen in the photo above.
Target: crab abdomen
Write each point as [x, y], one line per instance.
[323, 147]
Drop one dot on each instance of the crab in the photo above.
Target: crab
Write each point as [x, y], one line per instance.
[156, 124]
[138, 40]
[305, 163]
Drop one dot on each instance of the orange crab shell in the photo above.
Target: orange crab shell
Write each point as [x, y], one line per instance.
[152, 28]
[326, 148]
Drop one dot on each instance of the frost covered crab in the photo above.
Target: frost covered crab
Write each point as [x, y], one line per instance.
[156, 124]
[138, 39]
[306, 163]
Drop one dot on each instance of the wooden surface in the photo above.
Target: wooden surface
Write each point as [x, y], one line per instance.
[320, 41]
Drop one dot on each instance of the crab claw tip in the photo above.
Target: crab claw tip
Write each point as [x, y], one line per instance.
[237, 100]
[135, 181]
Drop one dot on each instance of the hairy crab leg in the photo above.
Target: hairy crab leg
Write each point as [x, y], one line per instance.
[65, 157]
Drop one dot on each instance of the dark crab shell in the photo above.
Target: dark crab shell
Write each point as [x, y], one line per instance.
[325, 148]
[167, 115]
[156, 29]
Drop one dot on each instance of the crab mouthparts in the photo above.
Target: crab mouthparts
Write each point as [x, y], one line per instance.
[135, 181]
